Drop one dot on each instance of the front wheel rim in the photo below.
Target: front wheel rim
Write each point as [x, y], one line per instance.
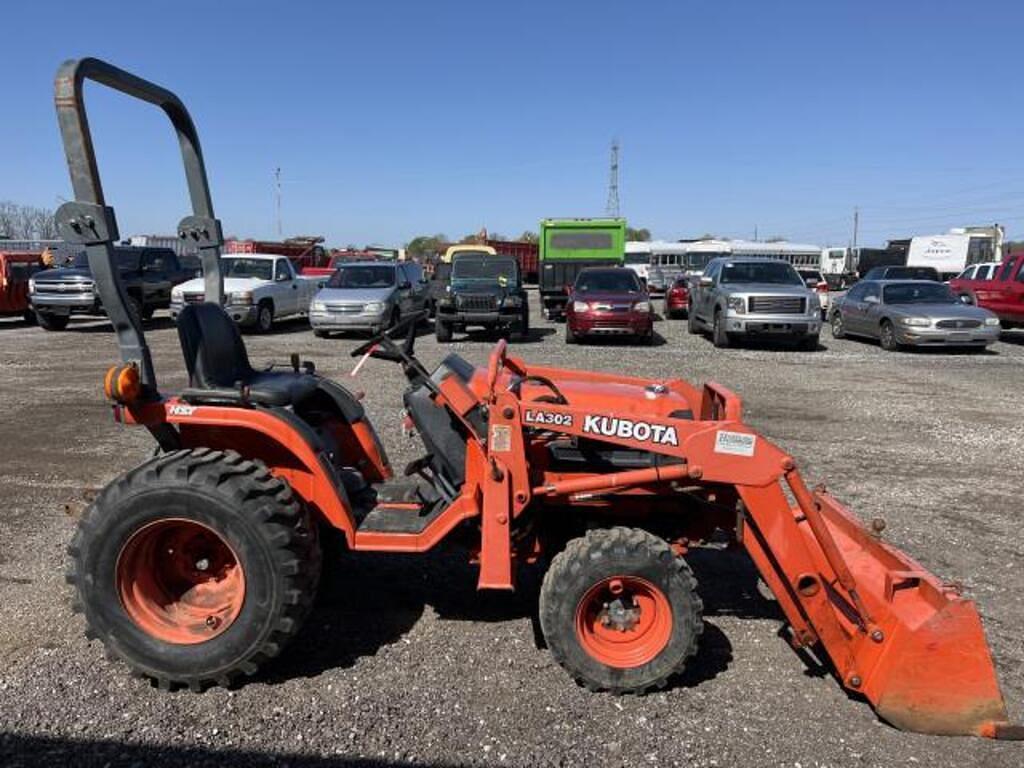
[180, 582]
[624, 622]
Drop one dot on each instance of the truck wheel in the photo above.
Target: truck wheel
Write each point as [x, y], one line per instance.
[50, 322]
[29, 317]
[265, 317]
[524, 323]
[718, 333]
[691, 322]
[195, 568]
[887, 337]
[570, 337]
[619, 611]
[809, 343]
[321, 334]
[442, 330]
[838, 330]
[135, 310]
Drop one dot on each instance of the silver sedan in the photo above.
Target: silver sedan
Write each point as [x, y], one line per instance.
[911, 313]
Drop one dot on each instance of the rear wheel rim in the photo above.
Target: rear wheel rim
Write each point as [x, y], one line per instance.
[837, 324]
[180, 582]
[624, 622]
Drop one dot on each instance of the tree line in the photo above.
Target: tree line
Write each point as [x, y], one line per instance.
[26, 222]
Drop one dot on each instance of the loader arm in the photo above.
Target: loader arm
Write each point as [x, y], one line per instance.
[895, 633]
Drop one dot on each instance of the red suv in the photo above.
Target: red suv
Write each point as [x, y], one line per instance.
[608, 302]
[677, 298]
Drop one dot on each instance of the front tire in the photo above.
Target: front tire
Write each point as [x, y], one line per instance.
[838, 329]
[265, 317]
[50, 322]
[887, 337]
[718, 333]
[442, 330]
[570, 337]
[620, 611]
[691, 321]
[195, 568]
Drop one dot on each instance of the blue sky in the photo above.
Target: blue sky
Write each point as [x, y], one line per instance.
[395, 119]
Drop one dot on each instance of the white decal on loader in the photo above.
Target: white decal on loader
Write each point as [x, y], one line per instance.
[182, 410]
[626, 429]
[547, 417]
[736, 443]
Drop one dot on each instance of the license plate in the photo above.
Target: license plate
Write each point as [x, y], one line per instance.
[959, 336]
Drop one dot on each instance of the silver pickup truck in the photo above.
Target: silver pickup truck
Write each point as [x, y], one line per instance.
[750, 297]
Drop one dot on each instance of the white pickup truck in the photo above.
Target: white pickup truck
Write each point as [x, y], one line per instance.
[259, 289]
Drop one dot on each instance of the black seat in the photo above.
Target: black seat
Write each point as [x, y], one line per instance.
[219, 368]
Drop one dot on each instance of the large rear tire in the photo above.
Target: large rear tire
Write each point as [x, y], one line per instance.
[442, 330]
[620, 611]
[195, 568]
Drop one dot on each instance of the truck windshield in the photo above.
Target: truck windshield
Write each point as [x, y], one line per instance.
[363, 276]
[773, 272]
[126, 260]
[612, 281]
[911, 273]
[485, 268]
[918, 293]
[257, 269]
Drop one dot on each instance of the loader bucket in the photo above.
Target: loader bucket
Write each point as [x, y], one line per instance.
[931, 671]
[909, 643]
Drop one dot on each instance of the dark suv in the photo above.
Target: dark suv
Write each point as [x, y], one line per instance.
[149, 274]
[482, 290]
[899, 272]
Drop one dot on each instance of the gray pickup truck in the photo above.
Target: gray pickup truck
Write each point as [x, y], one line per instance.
[748, 297]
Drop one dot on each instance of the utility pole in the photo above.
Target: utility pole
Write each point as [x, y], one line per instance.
[856, 224]
[612, 208]
[277, 193]
[755, 233]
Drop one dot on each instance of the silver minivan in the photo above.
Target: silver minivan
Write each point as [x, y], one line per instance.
[368, 296]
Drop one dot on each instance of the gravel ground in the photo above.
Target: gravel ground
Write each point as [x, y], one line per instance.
[404, 663]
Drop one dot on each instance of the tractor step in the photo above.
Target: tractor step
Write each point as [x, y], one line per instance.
[401, 508]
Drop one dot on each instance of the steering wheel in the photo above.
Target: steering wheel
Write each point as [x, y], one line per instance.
[383, 347]
[494, 366]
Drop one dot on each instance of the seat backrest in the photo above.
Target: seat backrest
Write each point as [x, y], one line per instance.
[213, 348]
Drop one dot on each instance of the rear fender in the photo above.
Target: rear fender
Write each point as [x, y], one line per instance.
[261, 434]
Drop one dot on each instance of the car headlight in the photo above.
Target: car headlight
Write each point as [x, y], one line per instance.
[991, 321]
[580, 306]
[374, 307]
[738, 304]
[177, 295]
[917, 322]
[642, 307]
[31, 286]
[513, 301]
[317, 306]
[241, 297]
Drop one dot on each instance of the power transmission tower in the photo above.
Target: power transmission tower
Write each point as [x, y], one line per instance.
[612, 209]
[277, 194]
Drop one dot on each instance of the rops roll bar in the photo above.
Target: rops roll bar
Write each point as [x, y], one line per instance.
[89, 221]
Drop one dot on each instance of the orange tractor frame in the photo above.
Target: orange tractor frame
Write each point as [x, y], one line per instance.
[200, 564]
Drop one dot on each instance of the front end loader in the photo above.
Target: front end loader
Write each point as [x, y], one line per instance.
[199, 565]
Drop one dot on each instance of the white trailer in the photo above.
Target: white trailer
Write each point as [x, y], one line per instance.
[638, 258]
[946, 253]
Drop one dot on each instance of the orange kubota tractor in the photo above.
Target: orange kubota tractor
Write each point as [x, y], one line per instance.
[200, 564]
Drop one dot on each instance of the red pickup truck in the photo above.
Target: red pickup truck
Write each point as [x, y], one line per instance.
[1003, 293]
[16, 267]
